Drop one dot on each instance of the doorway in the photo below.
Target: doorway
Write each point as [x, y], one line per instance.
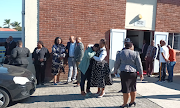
[137, 37]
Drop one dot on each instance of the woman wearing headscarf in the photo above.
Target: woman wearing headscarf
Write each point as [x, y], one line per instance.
[100, 70]
[128, 62]
[39, 57]
[58, 51]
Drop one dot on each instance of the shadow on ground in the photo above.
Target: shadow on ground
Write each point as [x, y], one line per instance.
[171, 85]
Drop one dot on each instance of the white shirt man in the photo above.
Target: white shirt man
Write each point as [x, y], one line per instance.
[164, 55]
[165, 51]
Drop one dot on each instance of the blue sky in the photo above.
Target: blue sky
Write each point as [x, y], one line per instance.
[10, 9]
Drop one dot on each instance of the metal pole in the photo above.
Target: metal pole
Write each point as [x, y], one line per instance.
[160, 73]
[23, 22]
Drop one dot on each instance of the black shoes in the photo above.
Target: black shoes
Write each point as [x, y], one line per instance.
[126, 106]
[120, 91]
[130, 104]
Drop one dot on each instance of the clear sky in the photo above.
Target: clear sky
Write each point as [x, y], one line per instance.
[10, 9]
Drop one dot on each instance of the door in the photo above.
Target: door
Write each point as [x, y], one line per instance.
[117, 37]
[157, 37]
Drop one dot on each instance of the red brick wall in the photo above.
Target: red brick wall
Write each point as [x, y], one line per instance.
[168, 16]
[168, 19]
[89, 19]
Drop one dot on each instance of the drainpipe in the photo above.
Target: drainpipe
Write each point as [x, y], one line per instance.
[23, 22]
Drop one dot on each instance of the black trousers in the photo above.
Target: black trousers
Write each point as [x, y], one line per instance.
[83, 79]
[22, 65]
[40, 73]
[163, 71]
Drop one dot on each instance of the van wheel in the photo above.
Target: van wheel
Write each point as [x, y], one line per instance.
[4, 98]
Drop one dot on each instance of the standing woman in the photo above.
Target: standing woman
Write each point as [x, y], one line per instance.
[100, 70]
[39, 57]
[128, 62]
[59, 54]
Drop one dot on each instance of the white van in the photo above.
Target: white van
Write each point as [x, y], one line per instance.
[17, 35]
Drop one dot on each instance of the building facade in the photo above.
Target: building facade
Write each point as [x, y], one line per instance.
[92, 20]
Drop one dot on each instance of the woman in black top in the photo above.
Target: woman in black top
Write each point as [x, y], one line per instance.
[40, 56]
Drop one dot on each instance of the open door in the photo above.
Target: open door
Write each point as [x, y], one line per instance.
[157, 37]
[117, 37]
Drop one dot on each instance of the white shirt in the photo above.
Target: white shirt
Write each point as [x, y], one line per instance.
[165, 51]
[71, 49]
[101, 56]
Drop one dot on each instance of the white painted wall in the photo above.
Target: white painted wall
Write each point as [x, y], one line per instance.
[31, 30]
[147, 8]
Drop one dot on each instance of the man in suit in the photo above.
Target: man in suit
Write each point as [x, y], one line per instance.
[78, 55]
[143, 54]
[70, 48]
[9, 45]
[19, 55]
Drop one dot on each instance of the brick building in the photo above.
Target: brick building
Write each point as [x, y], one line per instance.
[113, 20]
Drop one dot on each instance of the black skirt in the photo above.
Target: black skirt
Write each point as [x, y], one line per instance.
[128, 81]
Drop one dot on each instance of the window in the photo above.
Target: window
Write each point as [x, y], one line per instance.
[4, 39]
[174, 40]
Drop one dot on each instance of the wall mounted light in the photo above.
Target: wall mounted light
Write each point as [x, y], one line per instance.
[140, 16]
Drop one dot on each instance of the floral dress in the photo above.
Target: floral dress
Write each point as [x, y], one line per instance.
[100, 76]
[57, 64]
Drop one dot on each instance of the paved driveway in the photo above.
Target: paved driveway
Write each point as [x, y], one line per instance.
[50, 96]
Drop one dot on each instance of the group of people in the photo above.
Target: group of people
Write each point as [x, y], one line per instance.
[15, 53]
[166, 57]
[129, 62]
[91, 65]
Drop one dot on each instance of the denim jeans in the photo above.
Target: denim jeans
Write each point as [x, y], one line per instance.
[163, 71]
[72, 69]
[170, 68]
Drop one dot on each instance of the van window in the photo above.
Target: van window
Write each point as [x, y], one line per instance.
[4, 39]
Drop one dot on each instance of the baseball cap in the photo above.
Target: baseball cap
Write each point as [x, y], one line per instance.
[127, 40]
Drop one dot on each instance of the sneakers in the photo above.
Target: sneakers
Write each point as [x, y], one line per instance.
[73, 81]
[68, 82]
[89, 94]
[117, 75]
[101, 95]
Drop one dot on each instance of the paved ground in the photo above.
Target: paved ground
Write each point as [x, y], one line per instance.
[166, 95]
[50, 96]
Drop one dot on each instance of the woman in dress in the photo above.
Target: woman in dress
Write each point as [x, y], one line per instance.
[39, 57]
[58, 51]
[128, 62]
[101, 75]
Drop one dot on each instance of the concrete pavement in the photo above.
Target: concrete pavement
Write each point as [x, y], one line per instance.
[166, 95]
[50, 96]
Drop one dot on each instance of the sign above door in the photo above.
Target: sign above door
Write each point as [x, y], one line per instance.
[140, 23]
